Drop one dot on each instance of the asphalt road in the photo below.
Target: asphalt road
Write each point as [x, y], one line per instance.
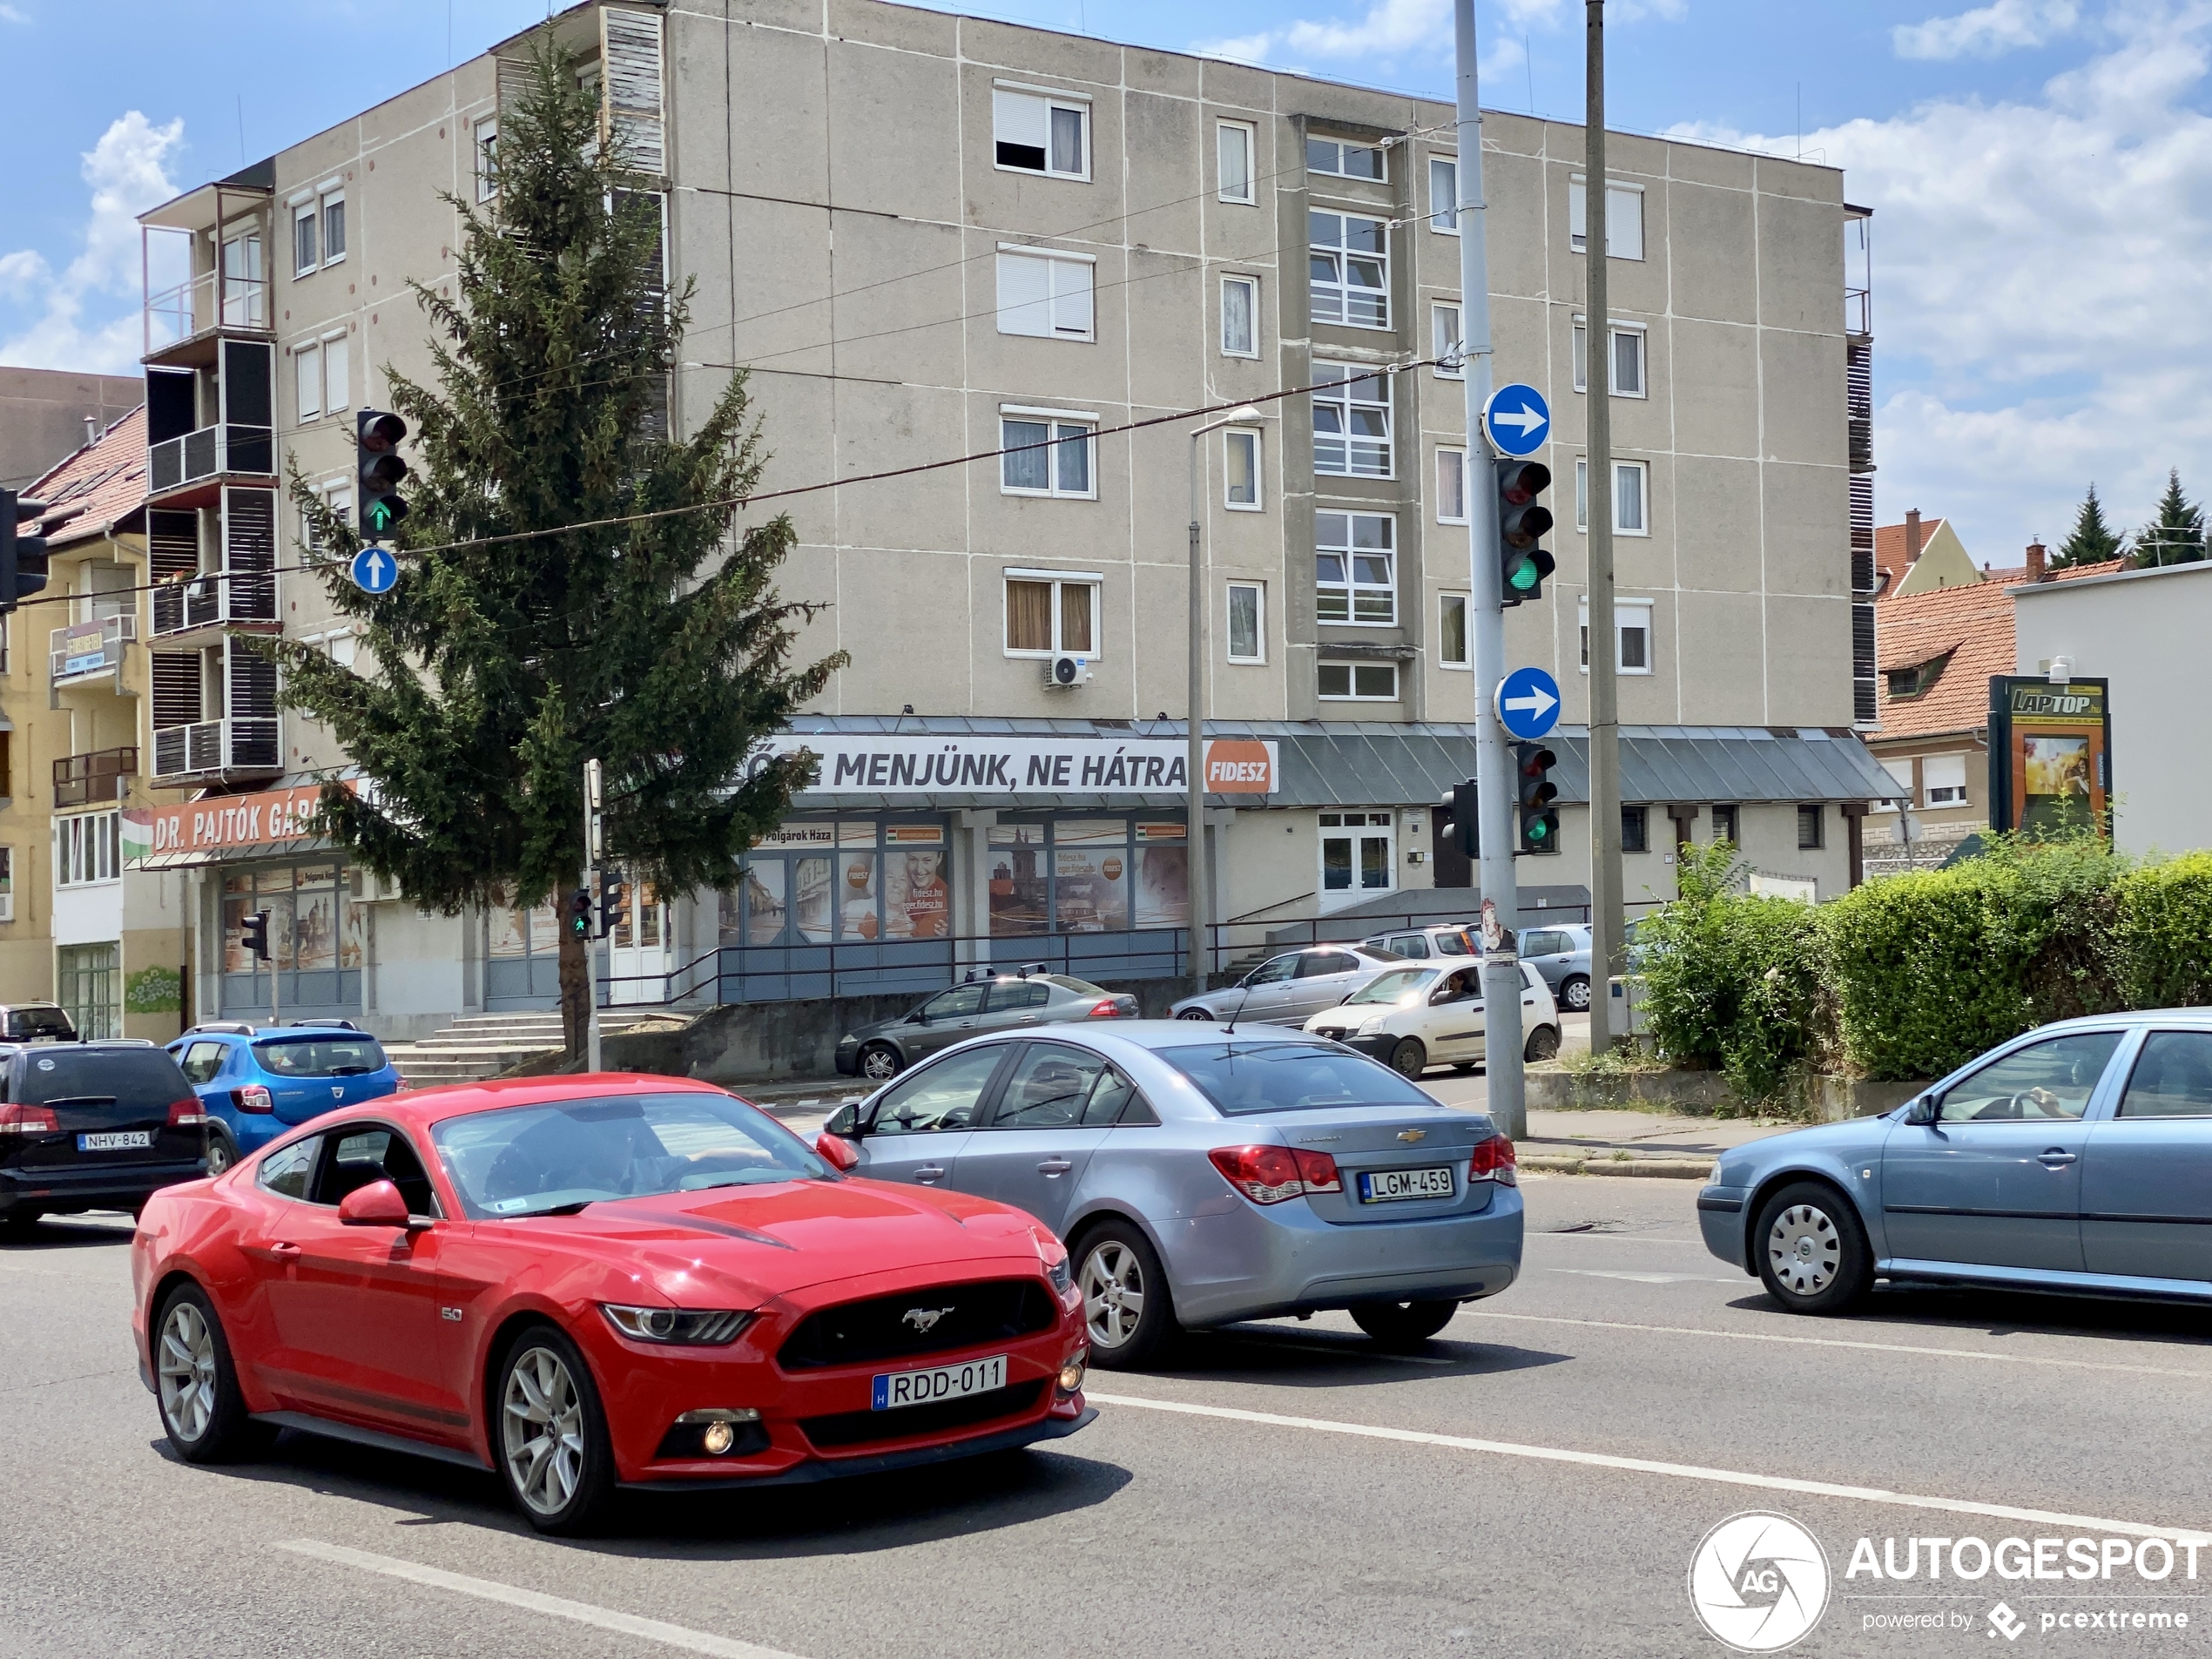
[1281, 1489]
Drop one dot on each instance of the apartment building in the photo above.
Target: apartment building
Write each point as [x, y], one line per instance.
[930, 236]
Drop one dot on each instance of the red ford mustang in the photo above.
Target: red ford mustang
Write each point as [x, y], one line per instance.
[598, 1282]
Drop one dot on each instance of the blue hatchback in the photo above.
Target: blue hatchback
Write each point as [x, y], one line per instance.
[259, 1080]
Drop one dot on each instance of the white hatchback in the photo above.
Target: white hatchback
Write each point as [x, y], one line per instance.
[1413, 1018]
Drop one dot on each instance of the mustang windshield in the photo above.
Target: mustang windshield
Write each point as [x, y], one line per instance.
[1241, 1078]
[526, 1160]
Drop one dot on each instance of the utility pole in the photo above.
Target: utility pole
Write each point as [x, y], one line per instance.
[1606, 925]
[1494, 798]
[1199, 876]
[595, 849]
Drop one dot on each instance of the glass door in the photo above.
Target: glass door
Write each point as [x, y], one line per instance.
[639, 955]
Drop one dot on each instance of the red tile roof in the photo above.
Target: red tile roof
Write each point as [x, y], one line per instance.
[1889, 550]
[95, 490]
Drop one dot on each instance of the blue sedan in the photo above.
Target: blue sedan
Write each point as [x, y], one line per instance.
[257, 1082]
[2077, 1159]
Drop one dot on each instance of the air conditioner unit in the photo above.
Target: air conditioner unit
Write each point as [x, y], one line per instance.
[1063, 673]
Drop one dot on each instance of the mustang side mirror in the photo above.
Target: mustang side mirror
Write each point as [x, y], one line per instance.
[836, 1150]
[377, 1204]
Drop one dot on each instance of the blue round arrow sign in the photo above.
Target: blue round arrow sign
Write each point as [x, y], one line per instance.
[1528, 703]
[1517, 419]
[375, 570]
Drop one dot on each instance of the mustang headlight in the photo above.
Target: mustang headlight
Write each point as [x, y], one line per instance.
[682, 1328]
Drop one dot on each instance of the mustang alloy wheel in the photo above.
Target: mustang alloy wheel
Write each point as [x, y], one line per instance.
[1811, 1251]
[552, 1442]
[1126, 1307]
[186, 1365]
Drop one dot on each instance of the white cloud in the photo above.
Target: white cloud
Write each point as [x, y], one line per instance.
[13, 14]
[1391, 29]
[1390, 26]
[2001, 26]
[127, 173]
[2037, 279]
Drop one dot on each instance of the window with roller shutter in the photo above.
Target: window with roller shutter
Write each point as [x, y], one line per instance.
[1045, 295]
[630, 103]
[1036, 132]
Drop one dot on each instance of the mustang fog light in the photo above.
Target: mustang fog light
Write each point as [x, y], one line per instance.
[718, 1438]
[720, 1428]
[1070, 1380]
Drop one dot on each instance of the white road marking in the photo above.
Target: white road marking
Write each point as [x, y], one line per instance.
[629, 1624]
[1673, 1470]
[1643, 1278]
[1844, 1342]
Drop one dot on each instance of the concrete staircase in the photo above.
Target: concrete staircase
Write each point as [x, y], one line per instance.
[479, 1046]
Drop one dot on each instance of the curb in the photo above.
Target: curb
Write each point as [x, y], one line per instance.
[1675, 1169]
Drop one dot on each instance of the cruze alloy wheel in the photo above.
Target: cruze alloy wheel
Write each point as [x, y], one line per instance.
[1127, 1310]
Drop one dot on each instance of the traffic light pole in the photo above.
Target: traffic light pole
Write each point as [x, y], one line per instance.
[1606, 916]
[594, 850]
[1492, 764]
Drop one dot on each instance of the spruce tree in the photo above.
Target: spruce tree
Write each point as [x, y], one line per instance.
[495, 667]
[2176, 536]
[2093, 541]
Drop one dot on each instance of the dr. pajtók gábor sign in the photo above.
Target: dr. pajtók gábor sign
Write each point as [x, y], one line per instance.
[875, 764]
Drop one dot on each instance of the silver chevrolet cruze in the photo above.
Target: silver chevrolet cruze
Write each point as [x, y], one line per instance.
[1203, 1174]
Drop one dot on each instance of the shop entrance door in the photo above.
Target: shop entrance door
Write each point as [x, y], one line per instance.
[640, 954]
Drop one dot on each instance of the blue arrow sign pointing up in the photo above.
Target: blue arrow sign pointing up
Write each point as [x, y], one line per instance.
[374, 570]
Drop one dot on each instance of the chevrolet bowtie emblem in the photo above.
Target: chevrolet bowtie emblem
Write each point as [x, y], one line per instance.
[1409, 1136]
[922, 1318]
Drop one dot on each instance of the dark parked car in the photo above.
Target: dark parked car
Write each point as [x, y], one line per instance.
[36, 1022]
[93, 1126]
[1005, 1002]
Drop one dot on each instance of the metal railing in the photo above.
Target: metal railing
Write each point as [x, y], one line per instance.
[210, 452]
[214, 599]
[86, 779]
[205, 302]
[245, 745]
[84, 648]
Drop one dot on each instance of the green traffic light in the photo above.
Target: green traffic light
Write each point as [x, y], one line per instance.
[1523, 575]
[380, 516]
[1538, 830]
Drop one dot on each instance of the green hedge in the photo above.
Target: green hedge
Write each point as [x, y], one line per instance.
[1911, 976]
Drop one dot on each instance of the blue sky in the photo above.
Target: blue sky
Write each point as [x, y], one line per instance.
[2041, 173]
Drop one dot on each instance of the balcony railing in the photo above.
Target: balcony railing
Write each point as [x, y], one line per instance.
[86, 649]
[216, 599]
[89, 779]
[206, 301]
[216, 746]
[210, 452]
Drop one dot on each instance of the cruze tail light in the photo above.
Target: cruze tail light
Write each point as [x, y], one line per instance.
[187, 1113]
[1494, 1160]
[252, 1098]
[28, 1120]
[1273, 1174]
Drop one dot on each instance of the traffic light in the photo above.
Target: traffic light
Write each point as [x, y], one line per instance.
[1522, 521]
[376, 456]
[254, 933]
[580, 912]
[22, 558]
[1535, 792]
[609, 902]
[1464, 820]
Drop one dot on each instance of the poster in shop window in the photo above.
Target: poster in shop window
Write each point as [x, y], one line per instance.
[916, 903]
[1090, 876]
[2050, 754]
[1162, 876]
[813, 900]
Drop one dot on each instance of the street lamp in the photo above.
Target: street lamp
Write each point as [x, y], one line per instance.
[1195, 834]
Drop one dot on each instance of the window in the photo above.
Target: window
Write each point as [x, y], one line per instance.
[306, 363]
[1047, 614]
[1349, 266]
[1444, 195]
[7, 884]
[87, 848]
[487, 158]
[334, 226]
[1351, 421]
[1247, 622]
[1631, 497]
[285, 1171]
[2053, 1078]
[1445, 341]
[1240, 457]
[1623, 220]
[1812, 825]
[1355, 857]
[1632, 629]
[306, 243]
[1357, 682]
[1044, 294]
[1238, 142]
[1945, 778]
[1451, 631]
[1354, 576]
[1724, 825]
[1626, 360]
[1344, 160]
[1239, 316]
[1089, 875]
[337, 395]
[1042, 134]
[320, 373]
[1451, 486]
[1047, 455]
[1636, 829]
[2172, 1078]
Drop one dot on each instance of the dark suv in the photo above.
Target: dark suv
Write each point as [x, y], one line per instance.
[93, 1126]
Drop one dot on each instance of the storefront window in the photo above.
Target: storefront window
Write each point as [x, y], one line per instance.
[1087, 875]
[316, 935]
[853, 882]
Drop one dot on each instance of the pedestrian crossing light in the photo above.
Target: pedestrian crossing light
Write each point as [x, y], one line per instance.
[1522, 521]
[1535, 793]
[22, 555]
[580, 912]
[376, 453]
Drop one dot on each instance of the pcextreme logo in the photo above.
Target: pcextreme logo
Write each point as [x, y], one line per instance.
[1758, 1582]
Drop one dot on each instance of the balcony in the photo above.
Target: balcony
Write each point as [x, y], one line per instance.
[212, 302]
[210, 748]
[86, 651]
[200, 462]
[93, 779]
[218, 600]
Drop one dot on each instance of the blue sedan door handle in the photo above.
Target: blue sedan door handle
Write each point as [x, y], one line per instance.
[2056, 1157]
[1055, 1167]
[929, 1172]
